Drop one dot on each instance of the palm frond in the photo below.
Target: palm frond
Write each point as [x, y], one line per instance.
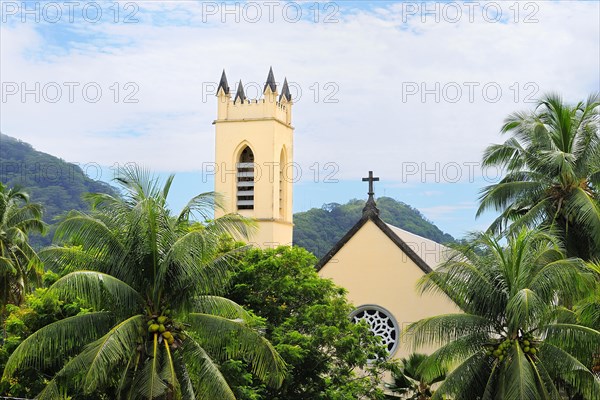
[222, 307]
[441, 329]
[206, 378]
[233, 339]
[524, 309]
[579, 341]
[452, 353]
[468, 378]
[585, 210]
[100, 358]
[101, 291]
[521, 382]
[562, 365]
[61, 338]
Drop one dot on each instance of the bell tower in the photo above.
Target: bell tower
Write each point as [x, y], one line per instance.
[254, 150]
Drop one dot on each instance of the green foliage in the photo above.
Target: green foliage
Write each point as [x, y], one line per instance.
[514, 340]
[307, 322]
[157, 328]
[20, 267]
[552, 163]
[588, 309]
[38, 310]
[319, 229]
[50, 181]
[410, 381]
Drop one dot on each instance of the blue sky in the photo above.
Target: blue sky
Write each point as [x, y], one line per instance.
[413, 91]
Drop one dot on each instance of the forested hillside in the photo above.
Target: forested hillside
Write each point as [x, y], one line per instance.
[319, 229]
[55, 183]
[59, 186]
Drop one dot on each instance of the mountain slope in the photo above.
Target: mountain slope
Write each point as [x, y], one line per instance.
[55, 183]
[59, 185]
[319, 229]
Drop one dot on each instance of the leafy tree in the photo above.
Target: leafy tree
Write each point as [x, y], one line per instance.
[512, 341]
[19, 264]
[157, 330]
[410, 381]
[553, 172]
[38, 310]
[307, 322]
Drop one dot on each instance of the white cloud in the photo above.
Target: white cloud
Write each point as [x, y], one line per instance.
[448, 211]
[369, 55]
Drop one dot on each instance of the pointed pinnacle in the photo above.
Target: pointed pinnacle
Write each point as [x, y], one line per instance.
[270, 82]
[240, 93]
[223, 84]
[285, 91]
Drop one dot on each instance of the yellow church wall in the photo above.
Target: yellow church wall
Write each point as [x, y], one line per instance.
[375, 271]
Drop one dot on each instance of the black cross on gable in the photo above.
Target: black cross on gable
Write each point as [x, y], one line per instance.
[370, 179]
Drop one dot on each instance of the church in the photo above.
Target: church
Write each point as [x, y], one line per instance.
[377, 263]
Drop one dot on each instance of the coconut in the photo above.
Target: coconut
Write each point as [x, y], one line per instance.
[161, 328]
[153, 328]
[162, 319]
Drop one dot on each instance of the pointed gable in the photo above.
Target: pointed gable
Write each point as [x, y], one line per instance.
[390, 231]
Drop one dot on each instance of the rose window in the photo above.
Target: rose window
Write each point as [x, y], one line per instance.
[382, 324]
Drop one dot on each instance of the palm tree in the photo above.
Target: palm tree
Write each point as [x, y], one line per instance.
[552, 163]
[158, 329]
[410, 381]
[513, 341]
[19, 264]
[588, 309]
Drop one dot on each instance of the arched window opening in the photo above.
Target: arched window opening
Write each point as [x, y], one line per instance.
[245, 180]
[282, 185]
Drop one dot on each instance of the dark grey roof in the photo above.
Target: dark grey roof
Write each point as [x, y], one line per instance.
[223, 84]
[270, 81]
[285, 91]
[240, 93]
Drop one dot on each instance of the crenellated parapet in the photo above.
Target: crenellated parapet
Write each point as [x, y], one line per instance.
[272, 105]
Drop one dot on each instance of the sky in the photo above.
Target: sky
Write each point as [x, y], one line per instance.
[414, 91]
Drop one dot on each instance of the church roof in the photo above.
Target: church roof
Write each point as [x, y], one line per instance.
[428, 250]
[426, 253]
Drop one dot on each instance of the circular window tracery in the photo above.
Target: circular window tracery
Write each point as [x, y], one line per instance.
[382, 324]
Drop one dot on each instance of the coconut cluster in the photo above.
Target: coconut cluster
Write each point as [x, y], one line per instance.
[167, 329]
[500, 349]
